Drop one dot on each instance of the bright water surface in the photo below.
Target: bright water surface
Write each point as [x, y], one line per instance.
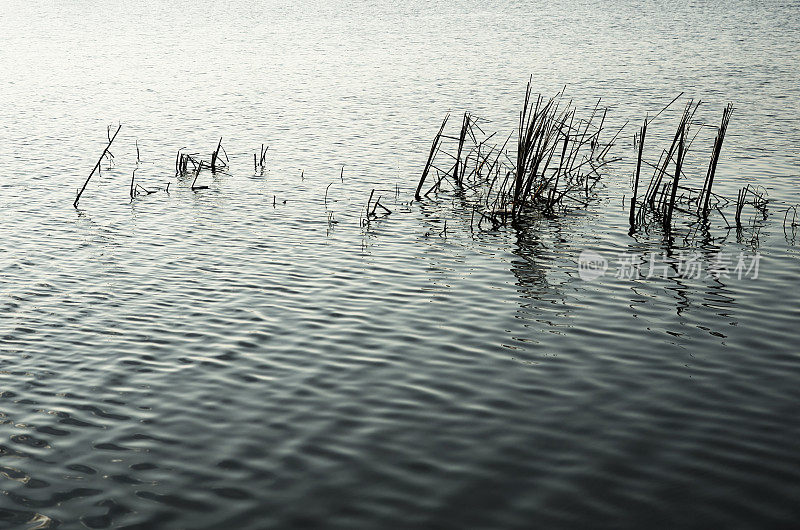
[212, 360]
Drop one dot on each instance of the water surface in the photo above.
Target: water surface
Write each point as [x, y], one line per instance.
[229, 359]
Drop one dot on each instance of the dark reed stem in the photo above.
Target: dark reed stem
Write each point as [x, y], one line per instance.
[712, 165]
[96, 166]
[678, 164]
[369, 201]
[133, 178]
[739, 206]
[215, 155]
[385, 209]
[461, 138]
[642, 134]
[432, 153]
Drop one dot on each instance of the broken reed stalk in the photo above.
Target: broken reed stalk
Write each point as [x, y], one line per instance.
[215, 155]
[369, 201]
[642, 134]
[133, 178]
[377, 202]
[263, 155]
[371, 213]
[385, 209]
[197, 174]
[434, 147]
[258, 160]
[712, 165]
[96, 166]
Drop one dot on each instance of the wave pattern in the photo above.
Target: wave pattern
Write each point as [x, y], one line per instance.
[229, 359]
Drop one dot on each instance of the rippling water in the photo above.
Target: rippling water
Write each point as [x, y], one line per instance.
[229, 359]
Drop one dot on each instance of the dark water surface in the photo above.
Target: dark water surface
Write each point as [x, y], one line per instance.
[225, 359]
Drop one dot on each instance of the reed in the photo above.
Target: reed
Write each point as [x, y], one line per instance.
[642, 134]
[740, 201]
[371, 194]
[434, 146]
[557, 158]
[465, 125]
[133, 179]
[259, 161]
[97, 165]
[670, 206]
[670, 190]
[712, 165]
[216, 161]
[194, 186]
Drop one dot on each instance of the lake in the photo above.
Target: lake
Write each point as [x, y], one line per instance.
[253, 355]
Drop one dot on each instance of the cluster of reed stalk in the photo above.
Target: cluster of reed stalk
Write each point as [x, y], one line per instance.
[191, 164]
[556, 163]
[260, 161]
[553, 164]
[182, 163]
[668, 193]
[183, 160]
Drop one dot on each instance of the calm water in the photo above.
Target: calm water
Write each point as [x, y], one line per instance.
[228, 359]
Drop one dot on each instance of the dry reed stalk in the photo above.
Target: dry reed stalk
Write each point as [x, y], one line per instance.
[678, 163]
[712, 165]
[215, 155]
[97, 165]
[434, 148]
[133, 178]
[642, 134]
[465, 124]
